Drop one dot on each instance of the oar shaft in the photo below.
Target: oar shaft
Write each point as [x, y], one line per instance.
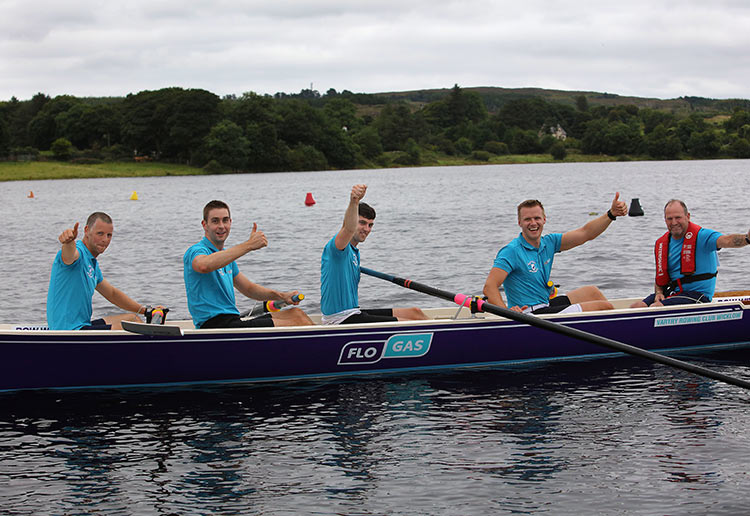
[537, 322]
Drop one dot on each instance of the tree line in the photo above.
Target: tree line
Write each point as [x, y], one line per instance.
[310, 131]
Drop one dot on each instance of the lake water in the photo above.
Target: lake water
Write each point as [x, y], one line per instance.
[615, 436]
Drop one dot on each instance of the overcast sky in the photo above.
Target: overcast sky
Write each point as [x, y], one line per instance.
[649, 48]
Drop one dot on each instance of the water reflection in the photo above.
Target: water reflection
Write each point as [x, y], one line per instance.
[514, 438]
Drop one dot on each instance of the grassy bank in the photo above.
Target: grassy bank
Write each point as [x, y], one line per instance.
[32, 170]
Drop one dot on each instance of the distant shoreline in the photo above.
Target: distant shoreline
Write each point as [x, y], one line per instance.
[43, 170]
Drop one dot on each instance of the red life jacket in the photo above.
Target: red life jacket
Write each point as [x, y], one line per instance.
[687, 256]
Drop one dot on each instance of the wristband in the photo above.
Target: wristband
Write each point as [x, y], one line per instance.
[612, 217]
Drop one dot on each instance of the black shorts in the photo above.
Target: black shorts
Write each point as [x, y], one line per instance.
[234, 321]
[682, 298]
[97, 324]
[373, 315]
[556, 304]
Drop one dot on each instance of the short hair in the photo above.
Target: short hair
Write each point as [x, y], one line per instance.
[529, 203]
[682, 203]
[366, 211]
[98, 215]
[212, 205]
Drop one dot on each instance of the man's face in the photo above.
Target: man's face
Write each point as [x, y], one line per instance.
[677, 220]
[217, 226]
[364, 226]
[531, 220]
[97, 236]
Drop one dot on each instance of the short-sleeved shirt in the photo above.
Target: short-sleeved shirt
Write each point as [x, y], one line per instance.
[212, 293]
[339, 278]
[528, 269]
[71, 288]
[706, 261]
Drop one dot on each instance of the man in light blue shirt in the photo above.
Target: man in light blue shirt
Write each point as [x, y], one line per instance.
[524, 265]
[211, 275]
[697, 286]
[76, 274]
[340, 272]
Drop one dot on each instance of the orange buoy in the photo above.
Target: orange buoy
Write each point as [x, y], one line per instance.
[309, 201]
[31, 195]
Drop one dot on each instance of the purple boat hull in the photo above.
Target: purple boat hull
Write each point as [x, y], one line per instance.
[46, 359]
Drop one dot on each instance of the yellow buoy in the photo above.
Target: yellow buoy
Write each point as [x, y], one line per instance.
[134, 196]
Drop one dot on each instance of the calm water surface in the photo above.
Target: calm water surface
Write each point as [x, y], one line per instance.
[616, 436]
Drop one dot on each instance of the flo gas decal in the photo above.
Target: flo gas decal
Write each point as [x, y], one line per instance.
[407, 345]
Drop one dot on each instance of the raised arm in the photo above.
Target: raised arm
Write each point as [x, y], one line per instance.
[206, 263]
[734, 240]
[594, 228]
[68, 240]
[351, 217]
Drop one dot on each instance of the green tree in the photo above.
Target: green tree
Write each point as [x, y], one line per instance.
[18, 117]
[594, 141]
[343, 113]
[704, 144]
[250, 108]
[266, 152]
[395, 126]
[464, 146]
[525, 142]
[740, 148]
[369, 143]
[62, 149]
[695, 123]
[458, 108]
[42, 129]
[558, 151]
[582, 103]
[87, 126]
[4, 136]
[739, 118]
[192, 115]
[307, 157]
[226, 144]
[144, 120]
[622, 138]
[661, 144]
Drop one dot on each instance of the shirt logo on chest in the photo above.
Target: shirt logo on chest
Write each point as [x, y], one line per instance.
[532, 266]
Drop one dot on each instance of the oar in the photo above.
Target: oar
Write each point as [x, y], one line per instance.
[531, 320]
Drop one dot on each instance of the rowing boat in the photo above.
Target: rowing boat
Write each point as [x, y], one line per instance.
[176, 353]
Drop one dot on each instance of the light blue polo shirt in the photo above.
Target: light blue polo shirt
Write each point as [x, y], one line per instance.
[528, 269]
[706, 260]
[339, 278]
[212, 293]
[71, 288]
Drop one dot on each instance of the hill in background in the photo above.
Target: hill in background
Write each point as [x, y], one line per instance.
[494, 98]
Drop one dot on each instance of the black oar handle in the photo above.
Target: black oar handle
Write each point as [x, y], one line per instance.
[575, 333]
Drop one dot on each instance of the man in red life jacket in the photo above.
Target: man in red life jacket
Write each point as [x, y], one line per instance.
[686, 260]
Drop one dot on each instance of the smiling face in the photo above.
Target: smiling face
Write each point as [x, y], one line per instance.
[531, 220]
[97, 236]
[364, 226]
[217, 225]
[677, 219]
